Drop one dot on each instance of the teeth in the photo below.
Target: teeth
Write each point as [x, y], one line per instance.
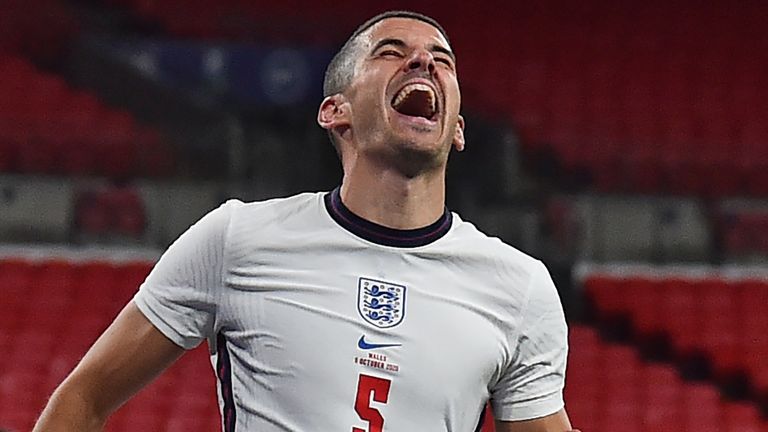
[403, 94]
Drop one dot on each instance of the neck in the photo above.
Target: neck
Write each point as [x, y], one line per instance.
[389, 198]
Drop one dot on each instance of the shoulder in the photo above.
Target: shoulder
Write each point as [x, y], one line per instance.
[277, 222]
[275, 207]
[234, 216]
[476, 242]
[257, 214]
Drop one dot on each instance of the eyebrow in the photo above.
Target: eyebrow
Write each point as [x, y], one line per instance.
[401, 44]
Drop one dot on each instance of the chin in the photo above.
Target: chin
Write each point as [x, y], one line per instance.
[418, 156]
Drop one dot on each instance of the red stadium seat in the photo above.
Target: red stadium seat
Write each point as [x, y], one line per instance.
[127, 209]
[679, 309]
[115, 149]
[720, 319]
[154, 154]
[133, 274]
[672, 109]
[644, 309]
[15, 274]
[15, 279]
[92, 214]
[8, 149]
[73, 304]
[742, 417]
[608, 293]
[702, 404]
[47, 127]
[657, 400]
[96, 282]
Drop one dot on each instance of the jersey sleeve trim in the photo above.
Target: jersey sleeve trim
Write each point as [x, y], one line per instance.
[529, 410]
[165, 328]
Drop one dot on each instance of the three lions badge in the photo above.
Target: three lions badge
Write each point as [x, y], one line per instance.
[380, 303]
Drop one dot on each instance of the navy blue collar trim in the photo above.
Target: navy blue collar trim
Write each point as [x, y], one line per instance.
[380, 234]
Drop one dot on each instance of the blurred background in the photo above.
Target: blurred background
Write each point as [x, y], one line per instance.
[624, 143]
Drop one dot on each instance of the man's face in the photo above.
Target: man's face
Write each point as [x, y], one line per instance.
[404, 98]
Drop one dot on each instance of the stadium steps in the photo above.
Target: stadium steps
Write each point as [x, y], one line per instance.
[48, 127]
[611, 387]
[712, 328]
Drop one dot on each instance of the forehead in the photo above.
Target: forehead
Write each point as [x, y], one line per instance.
[409, 30]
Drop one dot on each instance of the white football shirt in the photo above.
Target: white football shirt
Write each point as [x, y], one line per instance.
[319, 320]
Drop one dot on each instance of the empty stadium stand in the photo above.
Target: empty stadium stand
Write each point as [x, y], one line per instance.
[635, 98]
[54, 308]
[642, 97]
[50, 128]
[40, 29]
[52, 311]
[611, 388]
[718, 318]
[638, 97]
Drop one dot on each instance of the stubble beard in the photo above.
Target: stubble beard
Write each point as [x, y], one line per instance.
[406, 152]
[412, 158]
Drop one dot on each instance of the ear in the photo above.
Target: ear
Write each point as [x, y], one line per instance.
[334, 113]
[458, 136]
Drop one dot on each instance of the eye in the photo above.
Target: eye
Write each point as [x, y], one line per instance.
[445, 60]
[390, 53]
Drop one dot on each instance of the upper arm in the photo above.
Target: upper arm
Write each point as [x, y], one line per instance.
[174, 310]
[181, 294]
[127, 356]
[557, 422]
[532, 385]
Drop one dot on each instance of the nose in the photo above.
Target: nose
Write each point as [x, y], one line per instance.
[421, 60]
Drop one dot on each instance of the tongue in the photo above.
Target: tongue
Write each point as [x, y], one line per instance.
[416, 104]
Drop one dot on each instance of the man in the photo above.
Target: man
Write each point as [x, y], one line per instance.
[370, 308]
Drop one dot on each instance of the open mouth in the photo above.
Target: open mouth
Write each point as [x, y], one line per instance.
[416, 100]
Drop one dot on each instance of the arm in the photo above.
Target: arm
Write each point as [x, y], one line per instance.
[557, 422]
[529, 395]
[129, 354]
[174, 310]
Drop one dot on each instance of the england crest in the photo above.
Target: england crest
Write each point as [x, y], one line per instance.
[380, 303]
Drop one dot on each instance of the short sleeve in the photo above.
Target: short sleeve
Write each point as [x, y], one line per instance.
[180, 294]
[532, 386]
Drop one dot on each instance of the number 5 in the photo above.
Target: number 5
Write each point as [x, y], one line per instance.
[380, 388]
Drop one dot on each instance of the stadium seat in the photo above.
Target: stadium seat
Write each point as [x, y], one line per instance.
[155, 156]
[47, 127]
[656, 399]
[92, 215]
[702, 404]
[110, 211]
[608, 293]
[127, 209]
[73, 304]
[645, 313]
[133, 274]
[719, 319]
[668, 118]
[742, 417]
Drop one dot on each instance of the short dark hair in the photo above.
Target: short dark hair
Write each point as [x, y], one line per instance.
[340, 70]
